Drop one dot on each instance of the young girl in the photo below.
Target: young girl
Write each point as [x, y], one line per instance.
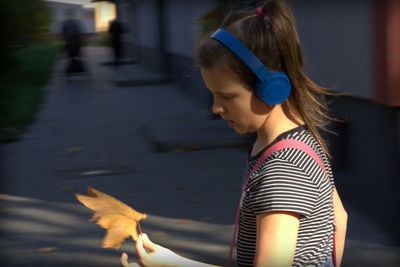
[289, 204]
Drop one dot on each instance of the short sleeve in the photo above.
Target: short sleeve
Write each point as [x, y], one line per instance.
[280, 185]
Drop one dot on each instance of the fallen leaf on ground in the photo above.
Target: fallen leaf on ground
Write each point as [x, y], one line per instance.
[47, 249]
[178, 150]
[119, 219]
[185, 221]
[158, 233]
[67, 188]
[75, 149]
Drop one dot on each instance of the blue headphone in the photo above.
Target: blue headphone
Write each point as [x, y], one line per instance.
[272, 87]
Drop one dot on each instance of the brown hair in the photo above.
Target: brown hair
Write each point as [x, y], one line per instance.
[274, 40]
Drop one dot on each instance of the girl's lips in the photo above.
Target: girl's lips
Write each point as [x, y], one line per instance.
[231, 123]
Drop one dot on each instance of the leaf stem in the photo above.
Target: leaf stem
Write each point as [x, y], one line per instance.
[140, 230]
[137, 221]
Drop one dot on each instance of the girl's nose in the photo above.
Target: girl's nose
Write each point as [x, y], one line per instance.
[217, 109]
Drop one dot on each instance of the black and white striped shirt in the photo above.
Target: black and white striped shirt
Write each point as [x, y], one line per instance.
[290, 180]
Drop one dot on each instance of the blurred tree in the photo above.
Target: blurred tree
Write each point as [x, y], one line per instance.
[21, 23]
[5, 34]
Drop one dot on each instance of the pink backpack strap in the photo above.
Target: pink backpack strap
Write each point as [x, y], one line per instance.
[286, 143]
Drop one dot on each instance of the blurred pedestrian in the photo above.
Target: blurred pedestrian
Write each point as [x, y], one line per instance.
[72, 37]
[253, 66]
[116, 31]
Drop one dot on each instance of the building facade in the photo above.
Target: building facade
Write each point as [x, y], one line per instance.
[63, 11]
[353, 47]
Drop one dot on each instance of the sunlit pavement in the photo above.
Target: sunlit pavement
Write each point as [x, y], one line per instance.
[92, 132]
[42, 233]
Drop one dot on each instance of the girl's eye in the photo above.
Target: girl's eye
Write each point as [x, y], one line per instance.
[227, 97]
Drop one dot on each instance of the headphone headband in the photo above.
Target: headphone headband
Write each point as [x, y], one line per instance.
[272, 87]
[240, 50]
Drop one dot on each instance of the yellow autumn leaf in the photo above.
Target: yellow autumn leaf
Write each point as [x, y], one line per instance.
[47, 249]
[75, 149]
[119, 219]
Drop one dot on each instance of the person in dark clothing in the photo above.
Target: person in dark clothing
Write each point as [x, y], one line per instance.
[72, 38]
[116, 31]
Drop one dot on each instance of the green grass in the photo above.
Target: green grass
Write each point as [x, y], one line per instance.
[22, 86]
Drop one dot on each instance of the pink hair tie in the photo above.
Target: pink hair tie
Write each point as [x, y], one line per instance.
[260, 12]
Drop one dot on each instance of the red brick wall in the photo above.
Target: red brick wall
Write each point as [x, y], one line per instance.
[393, 52]
[386, 22]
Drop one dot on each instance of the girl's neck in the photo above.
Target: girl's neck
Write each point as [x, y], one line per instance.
[275, 124]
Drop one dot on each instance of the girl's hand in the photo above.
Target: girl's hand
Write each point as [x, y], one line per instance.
[151, 254]
[124, 261]
[154, 255]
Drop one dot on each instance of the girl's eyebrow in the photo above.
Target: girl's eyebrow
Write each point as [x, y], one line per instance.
[224, 92]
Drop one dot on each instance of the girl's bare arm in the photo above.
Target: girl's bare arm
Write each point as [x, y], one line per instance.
[341, 226]
[276, 238]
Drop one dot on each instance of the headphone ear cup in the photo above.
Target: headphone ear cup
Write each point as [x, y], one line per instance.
[275, 90]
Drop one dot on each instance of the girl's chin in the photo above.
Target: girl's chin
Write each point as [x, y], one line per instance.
[240, 130]
[244, 130]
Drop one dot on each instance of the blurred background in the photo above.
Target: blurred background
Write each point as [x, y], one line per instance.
[106, 94]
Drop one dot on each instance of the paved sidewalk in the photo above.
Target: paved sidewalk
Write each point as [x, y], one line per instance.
[95, 131]
[92, 132]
